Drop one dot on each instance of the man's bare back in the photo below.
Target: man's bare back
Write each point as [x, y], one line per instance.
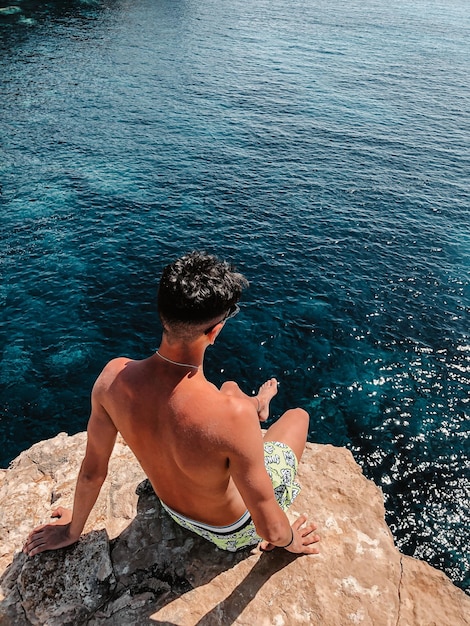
[170, 419]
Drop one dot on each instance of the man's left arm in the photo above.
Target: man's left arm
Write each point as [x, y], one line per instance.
[101, 436]
[248, 471]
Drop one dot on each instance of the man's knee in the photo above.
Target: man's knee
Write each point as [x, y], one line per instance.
[230, 388]
[300, 421]
[299, 414]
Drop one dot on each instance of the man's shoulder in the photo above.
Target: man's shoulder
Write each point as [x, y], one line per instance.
[240, 420]
[115, 366]
[111, 371]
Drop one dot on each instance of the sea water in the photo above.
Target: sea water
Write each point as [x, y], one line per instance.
[323, 147]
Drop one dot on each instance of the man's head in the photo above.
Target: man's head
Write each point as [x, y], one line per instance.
[196, 292]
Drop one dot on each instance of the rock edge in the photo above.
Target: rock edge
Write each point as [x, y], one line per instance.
[134, 565]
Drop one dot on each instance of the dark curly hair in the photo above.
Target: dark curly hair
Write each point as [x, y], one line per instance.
[197, 288]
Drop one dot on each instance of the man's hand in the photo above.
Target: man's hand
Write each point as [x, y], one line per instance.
[303, 538]
[51, 536]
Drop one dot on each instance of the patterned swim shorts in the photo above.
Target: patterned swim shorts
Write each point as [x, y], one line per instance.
[281, 465]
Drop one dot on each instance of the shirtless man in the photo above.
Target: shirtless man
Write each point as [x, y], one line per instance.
[202, 448]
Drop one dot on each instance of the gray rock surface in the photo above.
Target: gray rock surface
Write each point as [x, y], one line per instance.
[134, 565]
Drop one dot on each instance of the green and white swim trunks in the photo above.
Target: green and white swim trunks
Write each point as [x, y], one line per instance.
[281, 465]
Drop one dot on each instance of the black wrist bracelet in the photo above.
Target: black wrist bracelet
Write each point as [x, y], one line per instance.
[291, 541]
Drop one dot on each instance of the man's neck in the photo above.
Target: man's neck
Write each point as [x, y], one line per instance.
[182, 354]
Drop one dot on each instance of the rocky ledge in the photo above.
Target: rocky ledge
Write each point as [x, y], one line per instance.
[133, 565]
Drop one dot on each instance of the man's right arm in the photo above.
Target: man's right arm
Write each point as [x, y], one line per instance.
[101, 436]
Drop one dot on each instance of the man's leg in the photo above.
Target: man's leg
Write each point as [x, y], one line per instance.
[261, 401]
[291, 428]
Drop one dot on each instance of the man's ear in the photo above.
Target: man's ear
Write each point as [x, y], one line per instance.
[212, 334]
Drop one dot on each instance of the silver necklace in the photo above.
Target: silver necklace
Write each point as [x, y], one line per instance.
[176, 362]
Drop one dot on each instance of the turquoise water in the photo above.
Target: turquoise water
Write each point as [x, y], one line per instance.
[323, 147]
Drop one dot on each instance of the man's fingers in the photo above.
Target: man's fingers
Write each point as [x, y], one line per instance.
[34, 532]
[311, 550]
[37, 549]
[308, 530]
[307, 533]
[299, 521]
[36, 536]
[33, 542]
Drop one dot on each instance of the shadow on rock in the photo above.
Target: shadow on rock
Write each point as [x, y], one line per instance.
[150, 564]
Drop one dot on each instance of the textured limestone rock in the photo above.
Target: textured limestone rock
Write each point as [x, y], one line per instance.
[82, 579]
[134, 565]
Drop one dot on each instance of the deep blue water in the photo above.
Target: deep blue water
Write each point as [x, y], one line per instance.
[323, 147]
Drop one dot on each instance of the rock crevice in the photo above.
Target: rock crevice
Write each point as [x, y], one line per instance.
[399, 590]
